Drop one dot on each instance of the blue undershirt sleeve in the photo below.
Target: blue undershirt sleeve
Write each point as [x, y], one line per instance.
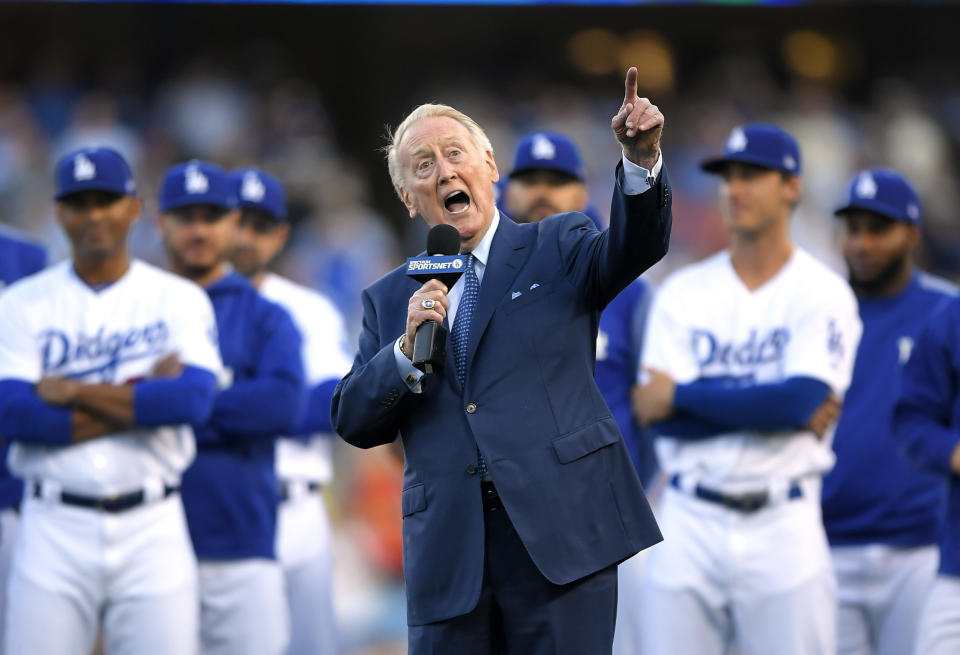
[786, 405]
[269, 404]
[24, 417]
[175, 401]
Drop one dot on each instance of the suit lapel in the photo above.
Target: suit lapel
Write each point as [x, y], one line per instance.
[508, 252]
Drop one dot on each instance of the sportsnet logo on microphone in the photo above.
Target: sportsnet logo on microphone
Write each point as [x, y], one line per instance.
[446, 268]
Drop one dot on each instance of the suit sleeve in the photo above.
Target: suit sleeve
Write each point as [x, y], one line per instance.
[368, 401]
[602, 264]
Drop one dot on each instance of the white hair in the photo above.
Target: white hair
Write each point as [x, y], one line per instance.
[477, 135]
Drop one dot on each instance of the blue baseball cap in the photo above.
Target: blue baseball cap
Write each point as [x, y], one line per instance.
[258, 190]
[884, 192]
[551, 151]
[196, 183]
[759, 144]
[94, 169]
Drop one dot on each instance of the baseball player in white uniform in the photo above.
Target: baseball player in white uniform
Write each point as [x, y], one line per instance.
[99, 432]
[747, 355]
[304, 460]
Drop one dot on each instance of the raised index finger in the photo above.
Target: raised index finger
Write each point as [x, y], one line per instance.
[630, 85]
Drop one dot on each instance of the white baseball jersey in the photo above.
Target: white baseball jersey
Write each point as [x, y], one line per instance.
[705, 323]
[54, 324]
[324, 357]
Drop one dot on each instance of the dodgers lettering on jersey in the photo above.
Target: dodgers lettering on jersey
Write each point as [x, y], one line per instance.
[101, 354]
[324, 357]
[715, 355]
[53, 324]
[706, 325]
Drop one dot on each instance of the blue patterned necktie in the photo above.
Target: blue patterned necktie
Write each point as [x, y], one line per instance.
[461, 332]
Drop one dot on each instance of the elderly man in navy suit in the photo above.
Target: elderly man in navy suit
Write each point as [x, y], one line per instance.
[519, 496]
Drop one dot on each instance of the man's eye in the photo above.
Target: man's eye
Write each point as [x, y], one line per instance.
[454, 153]
[423, 165]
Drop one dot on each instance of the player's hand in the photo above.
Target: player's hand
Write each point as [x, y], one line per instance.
[824, 416]
[638, 125]
[168, 367]
[417, 314]
[653, 399]
[57, 391]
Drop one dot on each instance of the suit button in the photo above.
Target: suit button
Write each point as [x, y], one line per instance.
[471, 408]
[471, 469]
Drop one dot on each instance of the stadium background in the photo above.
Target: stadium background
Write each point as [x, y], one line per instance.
[307, 92]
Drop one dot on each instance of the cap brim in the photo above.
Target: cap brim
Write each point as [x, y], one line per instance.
[190, 201]
[563, 171]
[876, 208]
[717, 165]
[280, 217]
[94, 186]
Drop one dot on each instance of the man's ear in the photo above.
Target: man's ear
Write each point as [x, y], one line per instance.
[283, 233]
[492, 164]
[407, 202]
[913, 236]
[794, 187]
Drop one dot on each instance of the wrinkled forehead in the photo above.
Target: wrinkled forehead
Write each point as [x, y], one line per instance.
[435, 131]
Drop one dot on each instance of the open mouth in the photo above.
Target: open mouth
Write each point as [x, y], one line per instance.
[457, 202]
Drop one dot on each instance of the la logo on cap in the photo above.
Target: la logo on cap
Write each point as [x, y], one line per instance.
[543, 148]
[737, 141]
[83, 168]
[252, 188]
[195, 181]
[866, 186]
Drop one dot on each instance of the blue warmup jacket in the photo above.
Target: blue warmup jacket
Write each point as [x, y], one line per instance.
[230, 492]
[618, 357]
[874, 494]
[927, 416]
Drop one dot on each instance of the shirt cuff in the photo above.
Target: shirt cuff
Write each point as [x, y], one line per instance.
[637, 179]
[408, 372]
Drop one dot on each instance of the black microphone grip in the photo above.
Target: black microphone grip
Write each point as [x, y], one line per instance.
[430, 346]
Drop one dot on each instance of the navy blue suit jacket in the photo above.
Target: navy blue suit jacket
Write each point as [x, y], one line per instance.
[553, 449]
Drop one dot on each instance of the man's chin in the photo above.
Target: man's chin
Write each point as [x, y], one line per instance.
[245, 267]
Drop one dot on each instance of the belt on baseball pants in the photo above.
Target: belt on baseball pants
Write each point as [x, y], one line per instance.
[746, 502]
[112, 504]
[289, 488]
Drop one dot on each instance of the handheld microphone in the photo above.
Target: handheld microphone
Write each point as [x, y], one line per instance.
[441, 263]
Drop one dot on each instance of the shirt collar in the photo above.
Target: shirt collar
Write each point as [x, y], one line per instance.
[482, 252]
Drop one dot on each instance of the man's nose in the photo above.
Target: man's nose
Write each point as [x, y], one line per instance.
[446, 170]
[244, 235]
[95, 212]
[858, 239]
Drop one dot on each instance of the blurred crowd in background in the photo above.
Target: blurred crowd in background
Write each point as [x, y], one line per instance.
[249, 104]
